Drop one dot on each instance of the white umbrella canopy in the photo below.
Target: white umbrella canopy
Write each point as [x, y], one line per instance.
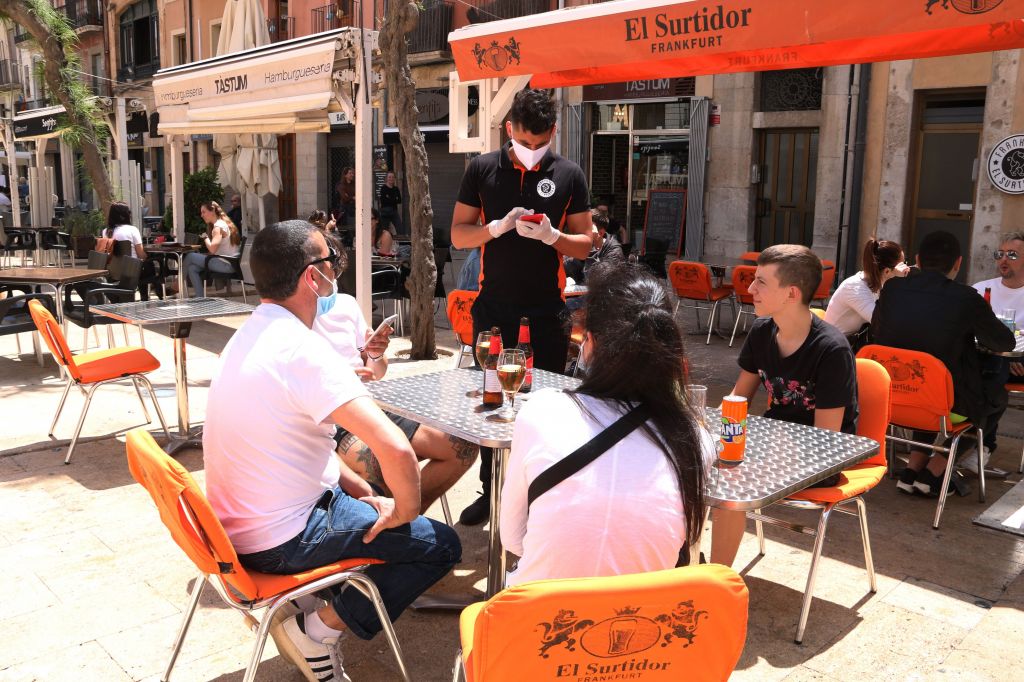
[249, 162]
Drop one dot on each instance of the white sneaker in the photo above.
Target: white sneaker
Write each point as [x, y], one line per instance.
[318, 662]
[969, 461]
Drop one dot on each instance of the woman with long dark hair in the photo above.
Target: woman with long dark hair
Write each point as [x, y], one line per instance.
[222, 239]
[851, 307]
[633, 508]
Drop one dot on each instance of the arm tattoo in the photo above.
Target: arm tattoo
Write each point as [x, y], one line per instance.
[371, 466]
[465, 452]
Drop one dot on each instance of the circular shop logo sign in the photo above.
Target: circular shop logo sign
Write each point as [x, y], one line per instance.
[1006, 165]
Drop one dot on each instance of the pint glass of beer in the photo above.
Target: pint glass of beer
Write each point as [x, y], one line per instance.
[734, 428]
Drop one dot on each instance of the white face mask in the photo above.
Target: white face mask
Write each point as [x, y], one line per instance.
[529, 157]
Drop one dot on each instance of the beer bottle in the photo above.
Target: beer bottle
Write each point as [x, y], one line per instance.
[988, 296]
[492, 387]
[524, 345]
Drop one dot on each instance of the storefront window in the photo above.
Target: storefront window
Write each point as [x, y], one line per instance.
[661, 115]
[658, 163]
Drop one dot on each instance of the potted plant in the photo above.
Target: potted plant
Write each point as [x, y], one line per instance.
[200, 187]
[84, 227]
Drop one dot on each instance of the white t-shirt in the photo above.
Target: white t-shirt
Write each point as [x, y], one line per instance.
[127, 233]
[225, 248]
[623, 513]
[1004, 297]
[344, 327]
[851, 305]
[267, 444]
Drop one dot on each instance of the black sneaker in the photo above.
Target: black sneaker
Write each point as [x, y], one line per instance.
[929, 484]
[476, 513]
[905, 484]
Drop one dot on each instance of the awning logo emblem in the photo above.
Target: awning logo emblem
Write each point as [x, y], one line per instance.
[964, 6]
[497, 56]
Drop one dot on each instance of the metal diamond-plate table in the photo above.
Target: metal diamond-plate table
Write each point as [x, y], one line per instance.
[781, 458]
[1017, 353]
[439, 400]
[179, 314]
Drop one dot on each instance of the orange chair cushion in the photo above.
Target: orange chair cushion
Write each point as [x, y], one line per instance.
[686, 623]
[854, 481]
[718, 293]
[270, 585]
[112, 363]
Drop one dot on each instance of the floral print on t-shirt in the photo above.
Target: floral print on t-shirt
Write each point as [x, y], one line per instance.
[790, 393]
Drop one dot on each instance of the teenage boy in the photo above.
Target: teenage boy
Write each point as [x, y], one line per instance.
[804, 363]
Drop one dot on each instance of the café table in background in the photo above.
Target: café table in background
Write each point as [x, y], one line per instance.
[55, 278]
[439, 400]
[178, 252]
[179, 314]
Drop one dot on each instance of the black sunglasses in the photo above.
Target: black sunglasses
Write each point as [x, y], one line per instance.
[998, 255]
[332, 258]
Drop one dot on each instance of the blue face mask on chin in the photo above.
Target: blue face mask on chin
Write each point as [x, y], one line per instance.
[325, 303]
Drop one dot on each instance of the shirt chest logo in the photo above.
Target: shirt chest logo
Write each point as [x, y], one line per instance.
[546, 187]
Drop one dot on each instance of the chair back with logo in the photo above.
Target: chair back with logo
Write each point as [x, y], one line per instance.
[186, 512]
[690, 280]
[873, 398]
[685, 623]
[742, 277]
[921, 386]
[54, 338]
[459, 305]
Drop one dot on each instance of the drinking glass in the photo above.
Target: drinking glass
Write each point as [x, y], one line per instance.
[1008, 317]
[482, 347]
[697, 399]
[511, 375]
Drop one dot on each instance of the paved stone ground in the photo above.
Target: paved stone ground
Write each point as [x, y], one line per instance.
[93, 587]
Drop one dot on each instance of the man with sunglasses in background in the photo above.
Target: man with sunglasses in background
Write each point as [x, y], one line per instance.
[1006, 292]
[286, 500]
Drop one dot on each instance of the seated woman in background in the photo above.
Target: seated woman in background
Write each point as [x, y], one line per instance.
[323, 221]
[633, 508]
[120, 228]
[851, 307]
[383, 241]
[222, 239]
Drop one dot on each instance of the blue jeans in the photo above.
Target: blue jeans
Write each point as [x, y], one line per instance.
[196, 262]
[418, 554]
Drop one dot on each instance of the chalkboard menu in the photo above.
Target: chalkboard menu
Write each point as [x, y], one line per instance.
[664, 220]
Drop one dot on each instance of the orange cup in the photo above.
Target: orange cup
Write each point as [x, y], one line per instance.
[734, 428]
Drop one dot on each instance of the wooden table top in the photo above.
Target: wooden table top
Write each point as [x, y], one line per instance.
[50, 275]
[170, 248]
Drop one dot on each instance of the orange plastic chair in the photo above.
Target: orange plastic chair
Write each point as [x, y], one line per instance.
[459, 305]
[685, 623]
[828, 278]
[692, 282]
[922, 399]
[89, 371]
[873, 387]
[742, 277]
[820, 312]
[1016, 391]
[751, 256]
[195, 528]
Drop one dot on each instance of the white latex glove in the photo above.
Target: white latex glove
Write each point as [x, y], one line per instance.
[543, 231]
[500, 227]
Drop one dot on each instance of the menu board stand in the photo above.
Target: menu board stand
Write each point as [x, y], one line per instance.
[665, 220]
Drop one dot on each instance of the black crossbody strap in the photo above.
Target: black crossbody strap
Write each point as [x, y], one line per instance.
[586, 453]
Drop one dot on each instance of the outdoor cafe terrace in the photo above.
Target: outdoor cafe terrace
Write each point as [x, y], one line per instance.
[94, 587]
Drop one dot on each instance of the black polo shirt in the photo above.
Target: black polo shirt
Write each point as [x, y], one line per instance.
[514, 269]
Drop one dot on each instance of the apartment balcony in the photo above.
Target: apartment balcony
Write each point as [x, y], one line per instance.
[84, 15]
[10, 75]
[429, 41]
[507, 9]
[134, 72]
[31, 105]
[280, 29]
[21, 35]
[330, 17]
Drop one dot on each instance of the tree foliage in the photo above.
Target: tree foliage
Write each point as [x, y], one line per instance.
[84, 128]
[402, 17]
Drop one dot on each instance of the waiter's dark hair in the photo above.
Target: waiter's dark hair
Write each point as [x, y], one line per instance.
[279, 255]
[533, 111]
[938, 251]
[638, 356]
[879, 255]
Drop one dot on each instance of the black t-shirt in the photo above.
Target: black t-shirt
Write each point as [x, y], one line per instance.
[822, 373]
[390, 197]
[515, 269]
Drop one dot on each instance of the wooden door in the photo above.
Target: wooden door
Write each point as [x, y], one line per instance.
[286, 200]
[785, 201]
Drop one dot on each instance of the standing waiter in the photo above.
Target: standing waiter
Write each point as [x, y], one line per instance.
[521, 262]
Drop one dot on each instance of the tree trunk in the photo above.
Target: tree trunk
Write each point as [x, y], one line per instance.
[402, 18]
[55, 61]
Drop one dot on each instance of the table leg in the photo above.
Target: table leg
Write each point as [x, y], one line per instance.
[185, 437]
[495, 552]
[181, 276]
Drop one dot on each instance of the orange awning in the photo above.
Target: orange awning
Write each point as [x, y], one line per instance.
[629, 40]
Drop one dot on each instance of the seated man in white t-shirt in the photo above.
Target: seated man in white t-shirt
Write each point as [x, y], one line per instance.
[287, 502]
[447, 457]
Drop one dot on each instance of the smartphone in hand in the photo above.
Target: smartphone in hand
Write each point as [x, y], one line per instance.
[533, 218]
[388, 321]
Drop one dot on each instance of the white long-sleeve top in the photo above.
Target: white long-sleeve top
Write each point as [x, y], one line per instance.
[623, 513]
[852, 305]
